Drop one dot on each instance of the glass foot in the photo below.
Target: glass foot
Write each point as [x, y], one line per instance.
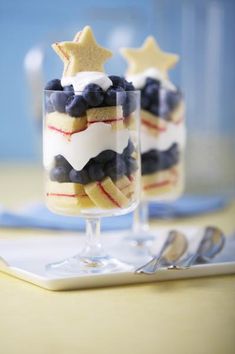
[140, 239]
[135, 249]
[88, 265]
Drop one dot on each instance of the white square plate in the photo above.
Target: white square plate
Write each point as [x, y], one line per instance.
[25, 257]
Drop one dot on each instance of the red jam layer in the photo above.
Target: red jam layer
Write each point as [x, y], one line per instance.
[153, 126]
[157, 185]
[64, 132]
[66, 195]
[111, 120]
[108, 195]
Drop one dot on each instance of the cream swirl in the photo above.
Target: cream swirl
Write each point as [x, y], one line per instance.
[83, 78]
[83, 146]
[173, 134]
[139, 80]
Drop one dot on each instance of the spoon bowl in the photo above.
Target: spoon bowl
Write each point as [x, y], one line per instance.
[211, 244]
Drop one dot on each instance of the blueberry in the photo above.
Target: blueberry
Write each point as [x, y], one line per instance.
[174, 153]
[115, 168]
[114, 96]
[144, 156]
[129, 105]
[105, 156]
[131, 165]
[154, 109]
[93, 94]
[68, 88]
[60, 161]
[143, 168]
[151, 90]
[79, 176]
[59, 174]
[151, 161]
[153, 154]
[148, 165]
[48, 105]
[110, 96]
[145, 101]
[154, 160]
[174, 148]
[76, 106]
[163, 110]
[121, 95]
[162, 162]
[117, 81]
[59, 100]
[150, 81]
[129, 149]
[96, 171]
[54, 85]
[165, 161]
[129, 86]
[168, 158]
[168, 161]
[173, 98]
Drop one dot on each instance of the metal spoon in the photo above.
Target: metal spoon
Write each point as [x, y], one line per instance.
[173, 248]
[211, 244]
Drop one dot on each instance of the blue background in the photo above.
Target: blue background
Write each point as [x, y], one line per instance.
[202, 32]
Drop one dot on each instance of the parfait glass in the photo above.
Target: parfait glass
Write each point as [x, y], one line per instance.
[162, 161]
[92, 169]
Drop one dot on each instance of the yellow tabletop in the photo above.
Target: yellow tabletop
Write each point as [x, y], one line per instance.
[183, 316]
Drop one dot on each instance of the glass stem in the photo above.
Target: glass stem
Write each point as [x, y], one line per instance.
[93, 248]
[141, 218]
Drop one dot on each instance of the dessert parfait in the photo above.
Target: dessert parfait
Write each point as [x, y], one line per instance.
[162, 120]
[90, 133]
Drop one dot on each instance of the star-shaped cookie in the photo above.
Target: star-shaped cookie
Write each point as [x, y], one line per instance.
[82, 54]
[149, 56]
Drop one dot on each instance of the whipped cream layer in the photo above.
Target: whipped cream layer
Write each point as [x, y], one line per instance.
[175, 133]
[83, 78]
[138, 80]
[83, 146]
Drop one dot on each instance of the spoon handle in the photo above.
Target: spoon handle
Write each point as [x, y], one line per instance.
[186, 263]
[150, 267]
[190, 260]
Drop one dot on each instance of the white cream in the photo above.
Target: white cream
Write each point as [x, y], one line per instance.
[173, 134]
[83, 78]
[138, 80]
[82, 146]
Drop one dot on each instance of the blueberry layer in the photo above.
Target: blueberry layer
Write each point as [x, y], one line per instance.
[157, 100]
[107, 164]
[155, 160]
[65, 100]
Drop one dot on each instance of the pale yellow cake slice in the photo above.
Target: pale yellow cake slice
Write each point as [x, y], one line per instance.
[67, 197]
[111, 115]
[167, 183]
[65, 188]
[178, 114]
[64, 124]
[126, 185]
[131, 121]
[106, 195]
[152, 124]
